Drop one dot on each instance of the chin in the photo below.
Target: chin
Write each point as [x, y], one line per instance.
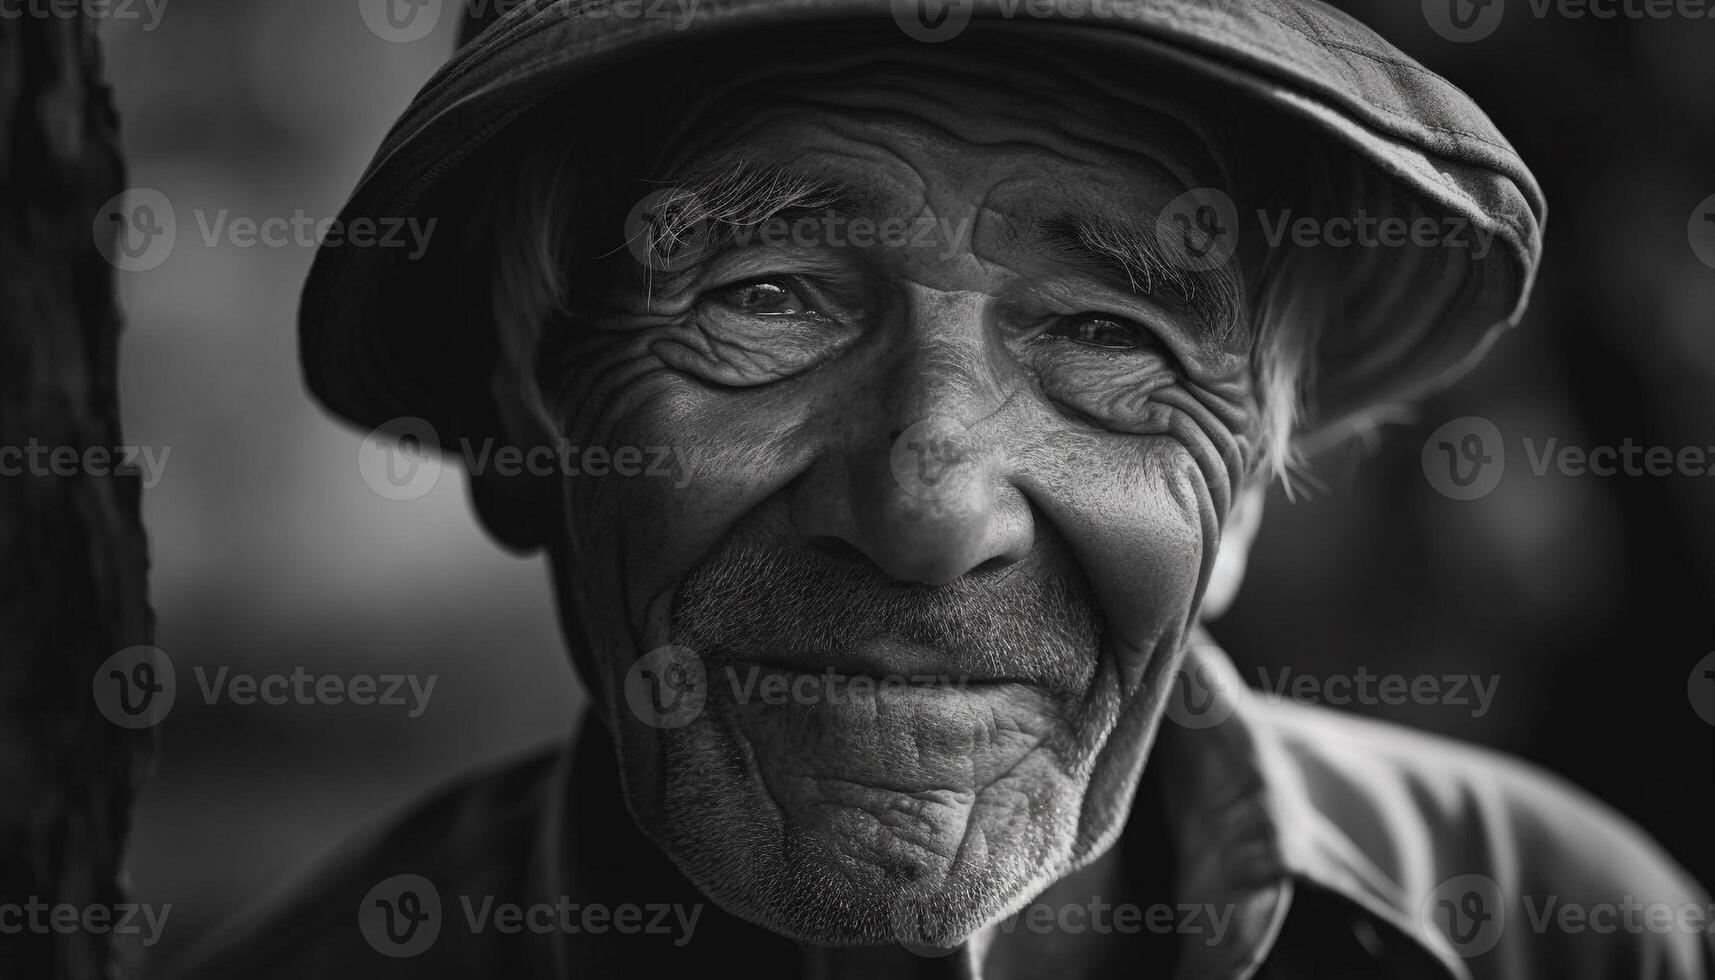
[810, 824]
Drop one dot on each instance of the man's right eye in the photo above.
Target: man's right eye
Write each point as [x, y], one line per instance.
[761, 297]
[757, 330]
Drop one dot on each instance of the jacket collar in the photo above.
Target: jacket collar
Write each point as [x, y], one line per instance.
[1249, 832]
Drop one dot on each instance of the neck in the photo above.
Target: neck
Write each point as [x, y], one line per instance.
[1063, 931]
[894, 962]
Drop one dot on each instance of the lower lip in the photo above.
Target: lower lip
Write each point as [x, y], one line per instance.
[878, 658]
[746, 681]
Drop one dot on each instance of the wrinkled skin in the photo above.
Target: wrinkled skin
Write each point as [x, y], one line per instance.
[1092, 438]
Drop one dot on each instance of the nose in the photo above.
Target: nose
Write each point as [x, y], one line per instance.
[921, 484]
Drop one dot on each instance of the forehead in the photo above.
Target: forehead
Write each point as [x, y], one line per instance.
[1027, 130]
[1055, 169]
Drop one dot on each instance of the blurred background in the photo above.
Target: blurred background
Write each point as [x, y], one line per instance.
[1589, 598]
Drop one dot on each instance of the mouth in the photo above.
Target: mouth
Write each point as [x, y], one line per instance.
[880, 659]
[878, 721]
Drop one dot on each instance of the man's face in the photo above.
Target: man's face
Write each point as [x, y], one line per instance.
[953, 491]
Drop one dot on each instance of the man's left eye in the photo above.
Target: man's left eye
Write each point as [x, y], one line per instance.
[761, 297]
[1105, 332]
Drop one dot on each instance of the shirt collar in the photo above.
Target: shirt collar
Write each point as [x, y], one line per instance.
[1248, 831]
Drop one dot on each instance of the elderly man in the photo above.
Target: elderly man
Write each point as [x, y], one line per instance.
[977, 339]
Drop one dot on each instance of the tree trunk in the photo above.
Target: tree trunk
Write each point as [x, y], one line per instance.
[73, 558]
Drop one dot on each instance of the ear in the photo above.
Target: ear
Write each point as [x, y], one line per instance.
[518, 504]
[1236, 539]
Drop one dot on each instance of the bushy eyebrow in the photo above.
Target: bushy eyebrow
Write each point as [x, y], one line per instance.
[705, 205]
[1135, 261]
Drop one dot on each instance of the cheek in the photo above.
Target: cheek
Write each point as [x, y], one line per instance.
[1207, 411]
[720, 455]
[1142, 523]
